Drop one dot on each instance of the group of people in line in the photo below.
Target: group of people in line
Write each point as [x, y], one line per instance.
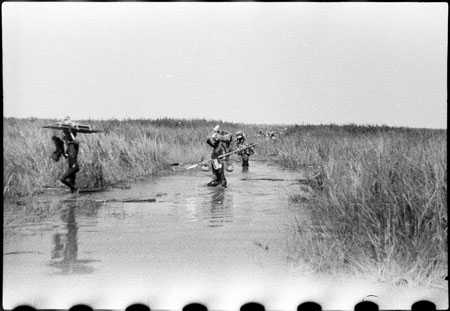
[271, 134]
[220, 140]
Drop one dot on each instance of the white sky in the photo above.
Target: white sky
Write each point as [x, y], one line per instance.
[291, 63]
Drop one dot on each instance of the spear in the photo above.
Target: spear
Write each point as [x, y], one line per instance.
[181, 163]
[220, 157]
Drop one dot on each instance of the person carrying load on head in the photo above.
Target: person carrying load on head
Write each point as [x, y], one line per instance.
[71, 154]
[70, 129]
[245, 153]
[220, 140]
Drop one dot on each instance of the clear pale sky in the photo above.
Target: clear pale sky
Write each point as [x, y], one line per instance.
[251, 62]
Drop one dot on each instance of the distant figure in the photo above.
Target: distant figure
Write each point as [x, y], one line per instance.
[72, 156]
[220, 140]
[245, 153]
[271, 135]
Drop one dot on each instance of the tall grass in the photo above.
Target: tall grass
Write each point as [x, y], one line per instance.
[126, 150]
[384, 205]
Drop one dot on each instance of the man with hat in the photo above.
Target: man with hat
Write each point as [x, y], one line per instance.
[245, 153]
[220, 140]
[72, 155]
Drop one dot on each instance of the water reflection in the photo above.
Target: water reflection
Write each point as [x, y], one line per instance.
[64, 254]
[221, 211]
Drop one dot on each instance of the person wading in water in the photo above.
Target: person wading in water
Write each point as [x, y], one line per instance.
[72, 156]
[220, 140]
[245, 153]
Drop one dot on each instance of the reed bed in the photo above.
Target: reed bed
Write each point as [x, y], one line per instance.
[383, 206]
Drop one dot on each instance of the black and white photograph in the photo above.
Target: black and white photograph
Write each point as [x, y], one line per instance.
[220, 156]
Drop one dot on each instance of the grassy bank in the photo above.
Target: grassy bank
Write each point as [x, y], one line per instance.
[383, 208]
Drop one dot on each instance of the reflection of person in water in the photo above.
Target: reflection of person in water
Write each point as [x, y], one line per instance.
[217, 199]
[66, 247]
[221, 203]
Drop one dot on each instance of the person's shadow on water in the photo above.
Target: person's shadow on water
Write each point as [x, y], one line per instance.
[65, 247]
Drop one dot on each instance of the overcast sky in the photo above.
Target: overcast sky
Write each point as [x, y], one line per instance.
[291, 63]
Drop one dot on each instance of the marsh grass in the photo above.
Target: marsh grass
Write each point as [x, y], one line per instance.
[127, 150]
[383, 208]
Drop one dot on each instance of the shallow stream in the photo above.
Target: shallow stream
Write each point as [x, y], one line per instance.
[221, 247]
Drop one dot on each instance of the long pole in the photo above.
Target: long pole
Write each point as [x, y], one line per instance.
[221, 156]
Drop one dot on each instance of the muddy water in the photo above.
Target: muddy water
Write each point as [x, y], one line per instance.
[221, 247]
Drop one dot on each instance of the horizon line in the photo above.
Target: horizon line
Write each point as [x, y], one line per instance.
[231, 122]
